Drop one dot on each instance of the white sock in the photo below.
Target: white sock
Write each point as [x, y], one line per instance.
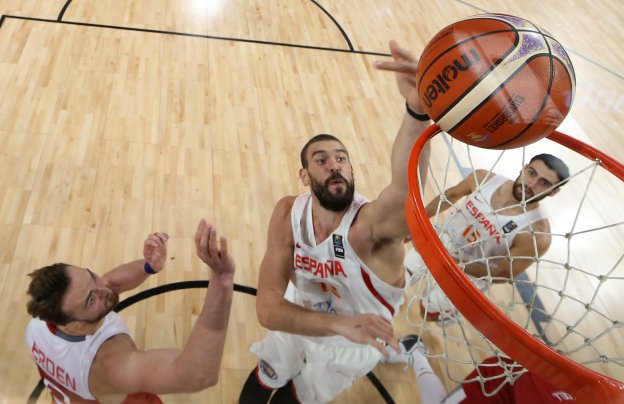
[430, 388]
[421, 364]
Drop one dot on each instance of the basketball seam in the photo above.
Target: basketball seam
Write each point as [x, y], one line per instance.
[502, 85]
[546, 96]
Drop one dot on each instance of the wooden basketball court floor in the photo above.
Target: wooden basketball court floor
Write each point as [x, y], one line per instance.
[118, 118]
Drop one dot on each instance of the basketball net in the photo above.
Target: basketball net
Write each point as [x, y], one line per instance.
[558, 318]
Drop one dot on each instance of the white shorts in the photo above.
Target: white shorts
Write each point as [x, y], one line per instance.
[320, 367]
[434, 300]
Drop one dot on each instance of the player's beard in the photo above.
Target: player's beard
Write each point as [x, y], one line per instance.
[336, 201]
[111, 303]
[517, 192]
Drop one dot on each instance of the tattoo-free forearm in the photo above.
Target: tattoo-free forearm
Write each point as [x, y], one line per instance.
[127, 276]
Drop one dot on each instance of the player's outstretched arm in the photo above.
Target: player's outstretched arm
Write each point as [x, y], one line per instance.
[388, 218]
[119, 368]
[130, 275]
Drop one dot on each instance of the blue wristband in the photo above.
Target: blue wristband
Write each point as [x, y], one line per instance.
[148, 268]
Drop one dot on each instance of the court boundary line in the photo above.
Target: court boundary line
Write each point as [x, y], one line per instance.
[342, 31]
[260, 42]
[204, 36]
[344, 34]
[62, 13]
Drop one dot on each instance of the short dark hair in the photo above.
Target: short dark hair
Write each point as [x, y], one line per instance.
[318, 138]
[556, 164]
[47, 289]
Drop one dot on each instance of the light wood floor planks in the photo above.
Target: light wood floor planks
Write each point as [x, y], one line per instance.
[112, 126]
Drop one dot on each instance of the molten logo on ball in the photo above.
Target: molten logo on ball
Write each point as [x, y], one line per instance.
[441, 83]
[495, 81]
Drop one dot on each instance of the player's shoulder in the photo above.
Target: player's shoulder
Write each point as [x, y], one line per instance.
[285, 204]
[481, 174]
[115, 360]
[542, 226]
[118, 343]
[280, 218]
[112, 352]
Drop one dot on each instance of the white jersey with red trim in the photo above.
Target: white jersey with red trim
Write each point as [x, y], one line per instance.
[476, 231]
[329, 276]
[64, 361]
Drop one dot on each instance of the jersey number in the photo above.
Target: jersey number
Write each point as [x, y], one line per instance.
[57, 394]
[471, 235]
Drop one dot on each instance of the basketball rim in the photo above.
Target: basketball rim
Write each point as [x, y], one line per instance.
[585, 384]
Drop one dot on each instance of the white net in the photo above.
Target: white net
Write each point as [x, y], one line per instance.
[561, 281]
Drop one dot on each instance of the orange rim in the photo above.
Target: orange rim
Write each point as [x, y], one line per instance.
[533, 354]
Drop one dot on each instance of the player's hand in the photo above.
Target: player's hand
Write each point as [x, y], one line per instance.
[155, 250]
[368, 329]
[404, 64]
[213, 254]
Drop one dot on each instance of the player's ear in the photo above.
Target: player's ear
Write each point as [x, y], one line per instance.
[303, 176]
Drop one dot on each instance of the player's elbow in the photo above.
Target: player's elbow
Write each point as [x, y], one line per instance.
[266, 303]
[202, 382]
[210, 381]
[262, 311]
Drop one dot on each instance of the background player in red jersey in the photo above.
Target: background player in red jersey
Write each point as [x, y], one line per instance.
[483, 384]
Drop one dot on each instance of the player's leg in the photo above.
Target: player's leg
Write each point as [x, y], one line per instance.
[254, 391]
[430, 386]
[330, 369]
[280, 359]
[286, 395]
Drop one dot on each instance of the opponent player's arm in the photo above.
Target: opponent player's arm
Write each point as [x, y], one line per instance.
[130, 275]
[277, 313]
[119, 368]
[522, 255]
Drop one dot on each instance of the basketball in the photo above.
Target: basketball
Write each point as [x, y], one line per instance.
[495, 81]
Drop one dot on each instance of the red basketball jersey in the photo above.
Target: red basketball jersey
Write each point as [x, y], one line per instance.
[528, 388]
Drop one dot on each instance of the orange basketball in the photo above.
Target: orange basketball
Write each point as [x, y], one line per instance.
[496, 81]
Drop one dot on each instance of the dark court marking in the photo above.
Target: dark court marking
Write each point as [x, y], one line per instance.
[186, 34]
[62, 13]
[344, 34]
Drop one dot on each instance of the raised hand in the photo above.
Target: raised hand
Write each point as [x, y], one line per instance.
[404, 64]
[155, 250]
[368, 329]
[213, 254]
